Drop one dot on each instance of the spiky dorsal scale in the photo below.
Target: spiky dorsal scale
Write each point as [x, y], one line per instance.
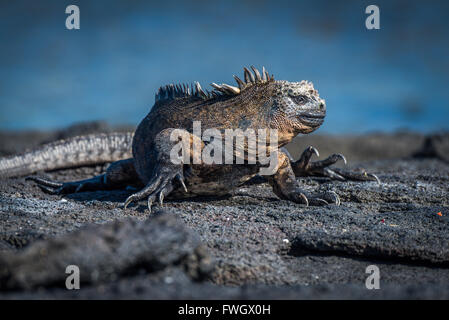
[194, 91]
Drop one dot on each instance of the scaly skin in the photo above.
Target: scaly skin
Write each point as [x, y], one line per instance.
[259, 102]
[78, 151]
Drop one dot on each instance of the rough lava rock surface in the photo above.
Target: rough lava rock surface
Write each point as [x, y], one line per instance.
[251, 245]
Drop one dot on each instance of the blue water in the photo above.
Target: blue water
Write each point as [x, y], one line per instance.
[384, 80]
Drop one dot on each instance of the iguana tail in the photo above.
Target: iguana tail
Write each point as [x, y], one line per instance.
[74, 152]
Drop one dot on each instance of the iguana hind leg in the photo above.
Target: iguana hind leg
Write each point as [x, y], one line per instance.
[304, 167]
[119, 174]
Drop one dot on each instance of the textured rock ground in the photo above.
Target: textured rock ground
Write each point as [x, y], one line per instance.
[250, 245]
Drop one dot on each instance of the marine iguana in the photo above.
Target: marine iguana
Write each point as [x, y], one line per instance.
[258, 102]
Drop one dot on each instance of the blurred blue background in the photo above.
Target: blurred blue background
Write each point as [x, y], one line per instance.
[373, 80]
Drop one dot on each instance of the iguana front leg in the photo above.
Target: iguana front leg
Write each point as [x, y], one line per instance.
[159, 169]
[303, 167]
[285, 186]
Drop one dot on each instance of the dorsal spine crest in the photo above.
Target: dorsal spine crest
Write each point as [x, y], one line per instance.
[182, 90]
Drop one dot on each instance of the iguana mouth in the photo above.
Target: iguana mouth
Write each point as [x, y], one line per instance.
[313, 119]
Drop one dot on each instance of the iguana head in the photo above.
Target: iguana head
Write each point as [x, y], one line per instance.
[296, 105]
[293, 107]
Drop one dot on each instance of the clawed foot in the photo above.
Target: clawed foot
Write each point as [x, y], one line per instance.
[161, 184]
[54, 187]
[304, 167]
[314, 199]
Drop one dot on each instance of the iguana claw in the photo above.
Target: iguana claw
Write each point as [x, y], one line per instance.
[304, 167]
[157, 188]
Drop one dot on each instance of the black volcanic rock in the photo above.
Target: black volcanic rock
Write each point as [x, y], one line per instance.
[250, 245]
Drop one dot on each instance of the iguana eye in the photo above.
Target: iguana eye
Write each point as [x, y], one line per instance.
[300, 100]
